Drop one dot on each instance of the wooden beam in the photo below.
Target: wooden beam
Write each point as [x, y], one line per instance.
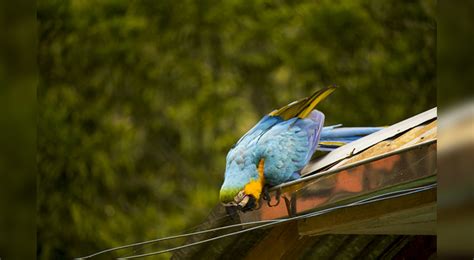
[365, 142]
[280, 239]
[413, 214]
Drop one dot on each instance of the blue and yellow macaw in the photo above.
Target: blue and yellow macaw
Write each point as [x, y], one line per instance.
[278, 147]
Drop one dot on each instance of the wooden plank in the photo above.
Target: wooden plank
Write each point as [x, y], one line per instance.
[393, 213]
[411, 137]
[417, 221]
[281, 239]
[370, 140]
[422, 228]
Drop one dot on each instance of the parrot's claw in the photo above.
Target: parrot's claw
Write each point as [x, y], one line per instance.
[277, 196]
[259, 205]
[268, 198]
[266, 194]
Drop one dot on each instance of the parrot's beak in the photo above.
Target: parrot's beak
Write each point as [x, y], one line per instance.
[251, 203]
[243, 202]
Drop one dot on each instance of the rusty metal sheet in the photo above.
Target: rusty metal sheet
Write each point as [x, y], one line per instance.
[383, 172]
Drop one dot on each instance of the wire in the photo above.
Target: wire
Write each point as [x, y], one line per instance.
[365, 201]
[376, 198]
[196, 227]
[270, 222]
[205, 240]
[176, 236]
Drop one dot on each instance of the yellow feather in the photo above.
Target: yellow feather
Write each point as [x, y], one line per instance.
[254, 187]
[332, 143]
[303, 107]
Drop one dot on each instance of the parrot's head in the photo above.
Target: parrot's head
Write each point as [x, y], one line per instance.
[242, 187]
[241, 201]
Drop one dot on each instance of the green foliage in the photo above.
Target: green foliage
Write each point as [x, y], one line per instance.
[140, 100]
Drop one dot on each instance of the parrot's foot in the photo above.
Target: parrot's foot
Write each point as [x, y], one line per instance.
[268, 198]
[266, 194]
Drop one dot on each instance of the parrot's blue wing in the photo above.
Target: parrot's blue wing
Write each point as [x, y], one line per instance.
[288, 146]
[240, 160]
[258, 130]
[300, 109]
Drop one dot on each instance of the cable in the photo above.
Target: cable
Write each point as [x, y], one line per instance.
[174, 237]
[204, 241]
[365, 201]
[137, 248]
[241, 224]
[376, 198]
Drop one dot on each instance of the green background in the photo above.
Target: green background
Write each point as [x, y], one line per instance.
[139, 101]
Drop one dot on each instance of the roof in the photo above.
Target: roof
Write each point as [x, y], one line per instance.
[336, 223]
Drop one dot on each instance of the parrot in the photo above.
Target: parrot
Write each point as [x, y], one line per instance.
[278, 147]
[273, 151]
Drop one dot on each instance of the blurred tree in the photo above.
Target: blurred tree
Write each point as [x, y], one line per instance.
[140, 100]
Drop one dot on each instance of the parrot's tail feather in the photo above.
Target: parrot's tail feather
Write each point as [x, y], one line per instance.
[303, 107]
[333, 138]
[332, 143]
[317, 97]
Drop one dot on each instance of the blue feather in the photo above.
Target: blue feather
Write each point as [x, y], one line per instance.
[347, 132]
[286, 146]
[342, 135]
